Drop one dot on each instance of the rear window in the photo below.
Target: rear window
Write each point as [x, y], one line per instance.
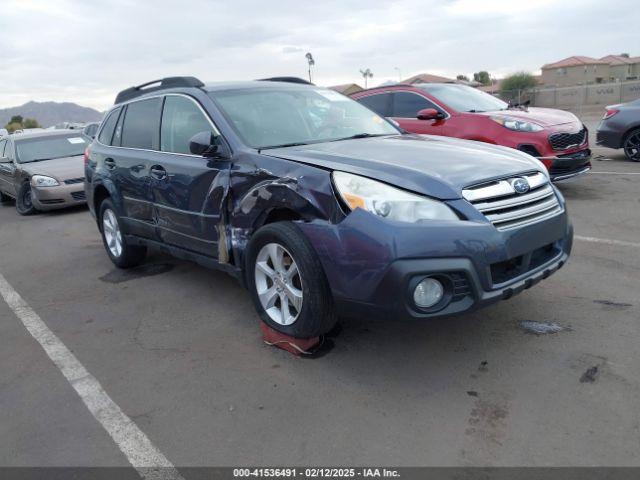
[106, 134]
[46, 148]
[141, 128]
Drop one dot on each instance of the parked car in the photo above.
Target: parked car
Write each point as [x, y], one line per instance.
[318, 205]
[620, 128]
[90, 129]
[557, 138]
[42, 170]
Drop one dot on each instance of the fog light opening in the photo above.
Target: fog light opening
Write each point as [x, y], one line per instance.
[428, 292]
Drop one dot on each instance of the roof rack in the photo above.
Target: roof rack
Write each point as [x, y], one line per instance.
[286, 79]
[162, 84]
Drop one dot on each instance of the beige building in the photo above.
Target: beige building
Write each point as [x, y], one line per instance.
[427, 78]
[580, 70]
[347, 88]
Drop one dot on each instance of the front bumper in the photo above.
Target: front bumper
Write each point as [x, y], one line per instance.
[563, 167]
[62, 196]
[372, 267]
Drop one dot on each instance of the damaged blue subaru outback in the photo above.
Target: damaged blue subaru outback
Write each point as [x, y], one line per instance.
[319, 206]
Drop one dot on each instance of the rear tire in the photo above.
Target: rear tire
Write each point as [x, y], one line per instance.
[121, 253]
[24, 202]
[631, 145]
[287, 282]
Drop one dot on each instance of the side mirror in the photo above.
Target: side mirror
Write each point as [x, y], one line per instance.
[429, 114]
[206, 144]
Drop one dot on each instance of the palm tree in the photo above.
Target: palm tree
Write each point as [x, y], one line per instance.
[366, 74]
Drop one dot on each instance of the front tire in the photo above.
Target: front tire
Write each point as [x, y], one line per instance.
[24, 202]
[632, 145]
[121, 253]
[287, 282]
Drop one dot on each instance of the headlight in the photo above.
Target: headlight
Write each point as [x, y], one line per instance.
[43, 181]
[388, 202]
[517, 125]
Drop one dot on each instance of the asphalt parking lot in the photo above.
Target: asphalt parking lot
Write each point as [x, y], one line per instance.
[177, 347]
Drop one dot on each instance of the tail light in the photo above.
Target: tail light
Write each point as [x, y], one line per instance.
[86, 156]
[610, 113]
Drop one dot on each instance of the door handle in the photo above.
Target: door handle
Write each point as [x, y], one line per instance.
[110, 163]
[158, 172]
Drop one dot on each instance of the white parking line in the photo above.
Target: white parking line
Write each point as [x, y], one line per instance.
[607, 241]
[140, 452]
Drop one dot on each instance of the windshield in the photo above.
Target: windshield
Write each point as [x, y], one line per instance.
[463, 98]
[269, 118]
[37, 149]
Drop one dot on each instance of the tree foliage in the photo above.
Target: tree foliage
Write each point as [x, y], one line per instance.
[17, 122]
[482, 77]
[518, 81]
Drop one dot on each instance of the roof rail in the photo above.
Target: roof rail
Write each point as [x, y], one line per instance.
[162, 84]
[286, 79]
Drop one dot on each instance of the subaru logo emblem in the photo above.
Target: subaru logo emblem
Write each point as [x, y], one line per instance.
[520, 185]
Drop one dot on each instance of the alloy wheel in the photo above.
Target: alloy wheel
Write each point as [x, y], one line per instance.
[278, 284]
[112, 234]
[632, 146]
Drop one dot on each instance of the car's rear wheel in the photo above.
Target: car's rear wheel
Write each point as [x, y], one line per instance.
[24, 201]
[287, 282]
[121, 253]
[632, 145]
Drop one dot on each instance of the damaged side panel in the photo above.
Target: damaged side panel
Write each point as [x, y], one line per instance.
[264, 189]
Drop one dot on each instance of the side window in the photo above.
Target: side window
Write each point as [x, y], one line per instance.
[141, 126]
[381, 103]
[108, 126]
[181, 120]
[407, 105]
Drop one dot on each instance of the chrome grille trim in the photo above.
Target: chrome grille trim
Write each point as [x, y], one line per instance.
[506, 209]
[501, 188]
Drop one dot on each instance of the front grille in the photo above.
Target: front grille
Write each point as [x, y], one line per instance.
[52, 201]
[507, 270]
[79, 195]
[563, 141]
[73, 181]
[506, 209]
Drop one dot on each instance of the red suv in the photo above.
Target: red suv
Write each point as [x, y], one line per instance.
[555, 137]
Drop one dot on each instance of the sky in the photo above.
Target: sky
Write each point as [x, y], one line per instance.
[87, 51]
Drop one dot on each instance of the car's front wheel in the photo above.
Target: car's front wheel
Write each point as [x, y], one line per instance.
[632, 145]
[121, 253]
[287, 282]
[24, 201]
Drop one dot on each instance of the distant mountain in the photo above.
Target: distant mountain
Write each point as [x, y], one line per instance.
[51, 113]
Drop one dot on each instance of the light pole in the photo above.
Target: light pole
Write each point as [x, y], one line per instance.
[311, 63]
[366, 74]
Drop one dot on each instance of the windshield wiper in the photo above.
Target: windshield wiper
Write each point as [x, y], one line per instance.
[53, 158]
[362, 135]
[283, 145]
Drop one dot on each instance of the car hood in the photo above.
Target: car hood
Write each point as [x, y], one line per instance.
[546, 117]
[432, 165]
[64, 168]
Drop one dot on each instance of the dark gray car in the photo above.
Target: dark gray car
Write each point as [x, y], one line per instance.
[620, 128]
